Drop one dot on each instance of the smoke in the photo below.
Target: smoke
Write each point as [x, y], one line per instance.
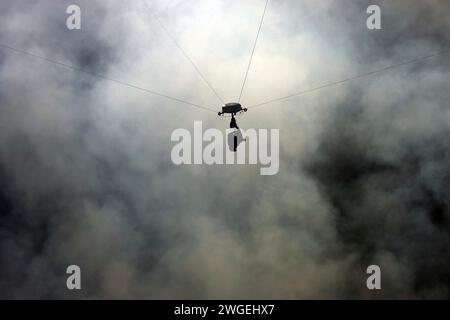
[86, 177]
[381, 164]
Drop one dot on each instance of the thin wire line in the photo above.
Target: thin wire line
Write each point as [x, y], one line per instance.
[172, 37]
[331, 84]
[74, 68]
[253, 51]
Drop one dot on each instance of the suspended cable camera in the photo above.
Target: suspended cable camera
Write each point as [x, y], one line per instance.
[232, 108]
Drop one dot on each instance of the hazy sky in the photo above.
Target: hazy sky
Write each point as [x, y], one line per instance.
[85, 169]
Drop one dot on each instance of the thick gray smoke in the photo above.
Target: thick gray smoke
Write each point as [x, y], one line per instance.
[86, 176]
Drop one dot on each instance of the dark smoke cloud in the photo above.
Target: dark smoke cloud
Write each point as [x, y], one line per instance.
[382, 164]
[86, 177]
